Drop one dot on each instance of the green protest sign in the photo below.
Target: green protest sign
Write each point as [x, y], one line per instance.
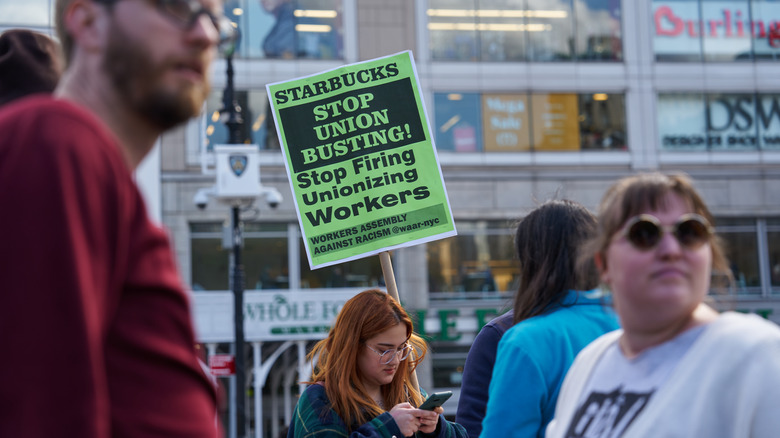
[361, 160]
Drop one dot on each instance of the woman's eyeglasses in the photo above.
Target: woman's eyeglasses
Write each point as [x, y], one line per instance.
[645, 232]
[385, 357]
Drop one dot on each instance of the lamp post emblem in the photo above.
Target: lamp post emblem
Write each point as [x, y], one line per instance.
[238, 164]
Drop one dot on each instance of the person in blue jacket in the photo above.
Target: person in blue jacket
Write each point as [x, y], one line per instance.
[511, 390]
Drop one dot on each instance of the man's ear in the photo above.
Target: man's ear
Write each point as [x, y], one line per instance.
[87, 24]
[601, 266]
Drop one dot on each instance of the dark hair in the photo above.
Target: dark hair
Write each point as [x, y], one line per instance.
[30, 62]
[548, 243]
[636, 194]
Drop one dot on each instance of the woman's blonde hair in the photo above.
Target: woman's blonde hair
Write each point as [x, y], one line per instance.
[364, 316]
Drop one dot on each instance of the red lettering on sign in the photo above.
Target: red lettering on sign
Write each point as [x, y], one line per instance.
[665, 13]
[222, 364]
[669, 24]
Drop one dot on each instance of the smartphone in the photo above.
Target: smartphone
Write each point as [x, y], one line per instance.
[435, 400]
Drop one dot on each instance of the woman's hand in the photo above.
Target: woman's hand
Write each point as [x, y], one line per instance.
[410, 419]
[405, 417]
[429, 421]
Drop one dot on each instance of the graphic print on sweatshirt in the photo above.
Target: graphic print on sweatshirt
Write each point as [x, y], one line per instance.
[607, 415]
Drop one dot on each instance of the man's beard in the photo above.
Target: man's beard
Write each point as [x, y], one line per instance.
[137, 80]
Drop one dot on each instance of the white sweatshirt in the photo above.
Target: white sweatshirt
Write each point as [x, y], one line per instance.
[726, 386]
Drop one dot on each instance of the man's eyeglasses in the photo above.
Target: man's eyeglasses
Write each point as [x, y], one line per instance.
[385, 357]
[185, 13]
[645, 232]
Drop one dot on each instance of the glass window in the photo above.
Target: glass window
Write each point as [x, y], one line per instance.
[676, 30]
[365, 272]
[479, 259]
[452, 29]
[602, 120]
[719, 121]
[288, 29]
[524, 30]
[769, 121]
[599, 36]
[210, 261]
[773, 243]
[555, 122]
[502, 30]
[723, 34]
[681, 122]
[257, 127]
[14, 13]
[731, 120]
[550, 31]
[448, 361]
[764, 28]
[264, 256]
[740, 238]
[458, 122]
[505, 122]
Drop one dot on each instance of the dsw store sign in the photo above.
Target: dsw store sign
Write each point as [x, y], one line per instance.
[723, 121]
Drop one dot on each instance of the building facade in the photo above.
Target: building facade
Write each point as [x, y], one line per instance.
[529, 100]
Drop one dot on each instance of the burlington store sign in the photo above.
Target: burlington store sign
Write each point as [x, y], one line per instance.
[727, 28]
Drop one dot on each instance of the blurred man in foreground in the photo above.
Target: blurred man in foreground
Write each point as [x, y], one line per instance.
[92, 310]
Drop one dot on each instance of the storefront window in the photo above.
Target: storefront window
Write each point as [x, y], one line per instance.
[773, 243]
[452, 28]
[266, 260]
[208, 258]
[550, 31]
[765, 28]
[458, 122]
[264, 256]
[719, 121]
[257, 127]
[740, 238]
[520, 122]
[731, 121]
[716, 30]
[479, 259]
[676, 33]
[602, 121]
[365, 273]
[681, 122]
[524, 30]
[598, 30]
[288, 29]
[769, 121]
[723, 33]
[448, 361]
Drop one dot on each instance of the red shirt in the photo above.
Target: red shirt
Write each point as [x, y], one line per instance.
[94, 322]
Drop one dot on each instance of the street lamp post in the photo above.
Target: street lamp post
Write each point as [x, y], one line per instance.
[234, 123]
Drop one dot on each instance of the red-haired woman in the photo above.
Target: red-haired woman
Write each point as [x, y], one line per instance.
[360, 386]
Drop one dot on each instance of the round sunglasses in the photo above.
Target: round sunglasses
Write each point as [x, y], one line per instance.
[645, 232]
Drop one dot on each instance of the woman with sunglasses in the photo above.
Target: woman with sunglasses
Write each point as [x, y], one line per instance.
[360, 386]
[677, 367]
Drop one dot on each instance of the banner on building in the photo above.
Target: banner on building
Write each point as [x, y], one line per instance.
[361, 160]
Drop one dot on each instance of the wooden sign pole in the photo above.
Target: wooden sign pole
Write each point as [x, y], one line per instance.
[392, 290]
